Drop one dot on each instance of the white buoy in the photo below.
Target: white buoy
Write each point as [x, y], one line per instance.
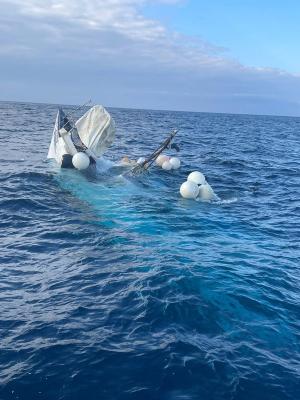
[161, 159]
[189, 190]
[141, 160]
[175, 162]
[196, 177]
[80, 160]
[206, 192]
[167, 165]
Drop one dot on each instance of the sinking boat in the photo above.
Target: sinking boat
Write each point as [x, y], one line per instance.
[79, 144]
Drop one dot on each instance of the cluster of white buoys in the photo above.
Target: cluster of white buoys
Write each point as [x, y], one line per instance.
[197, 187]
[167, 163]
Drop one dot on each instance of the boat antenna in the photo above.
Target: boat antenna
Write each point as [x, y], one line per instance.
[82, 105]
[70, 117]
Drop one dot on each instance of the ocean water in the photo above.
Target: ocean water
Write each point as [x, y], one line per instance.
[117, 288]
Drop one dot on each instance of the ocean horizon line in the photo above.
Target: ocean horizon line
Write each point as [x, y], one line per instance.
[153, 109]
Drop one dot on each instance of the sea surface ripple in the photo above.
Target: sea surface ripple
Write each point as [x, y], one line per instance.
[115, 288]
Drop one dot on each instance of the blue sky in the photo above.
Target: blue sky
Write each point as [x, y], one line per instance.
[259, 33]
[218, 56]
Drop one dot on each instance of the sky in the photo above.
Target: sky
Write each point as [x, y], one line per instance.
[214, 56]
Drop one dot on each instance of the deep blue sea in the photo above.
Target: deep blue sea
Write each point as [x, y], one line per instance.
[116, 288]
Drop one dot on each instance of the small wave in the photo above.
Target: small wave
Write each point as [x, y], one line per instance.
[218, 200]
[227, 201]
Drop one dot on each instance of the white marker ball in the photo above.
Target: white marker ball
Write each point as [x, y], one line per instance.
[175, 162]
[161, 159]
[206, 192]
[189, 190]
[81, 160]
[167, 166]
[196, 177]
[141, 160]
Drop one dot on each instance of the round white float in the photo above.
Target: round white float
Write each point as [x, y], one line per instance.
[189, 190]
[175, 162]
[167, 165]
[80, 160]
[141, 160]
[161, 159]
[196, 177]
[206, 192]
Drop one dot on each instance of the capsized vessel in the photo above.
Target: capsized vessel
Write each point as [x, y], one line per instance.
[79, 144]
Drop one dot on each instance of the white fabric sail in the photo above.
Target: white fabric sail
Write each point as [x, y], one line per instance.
[52, 148]
[96, 130]
[57, 146]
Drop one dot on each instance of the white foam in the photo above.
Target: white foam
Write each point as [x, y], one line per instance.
[227, 201]
[103, 164]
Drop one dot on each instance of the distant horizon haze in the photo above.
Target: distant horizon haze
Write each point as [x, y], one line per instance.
[117, 107]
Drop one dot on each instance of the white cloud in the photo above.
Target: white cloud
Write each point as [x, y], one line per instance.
[121, 16]
[137, 55]
[108, 25]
